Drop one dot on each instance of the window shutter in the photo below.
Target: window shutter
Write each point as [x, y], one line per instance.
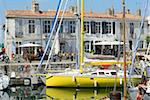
[103, 27]
[113, 27]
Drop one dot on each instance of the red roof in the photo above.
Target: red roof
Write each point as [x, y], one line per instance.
[51, 13]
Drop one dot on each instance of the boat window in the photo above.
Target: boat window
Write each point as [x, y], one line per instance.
[94, 73]
[113, 73]
[101, 73]
[107, 73]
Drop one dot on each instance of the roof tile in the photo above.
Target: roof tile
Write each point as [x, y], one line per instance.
[51, 13]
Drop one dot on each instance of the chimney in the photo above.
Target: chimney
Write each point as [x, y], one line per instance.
[91, 12]
[138, 12]
[113, 11]
[73, 9]
[108, 11]
[35, 6]
[128, 11]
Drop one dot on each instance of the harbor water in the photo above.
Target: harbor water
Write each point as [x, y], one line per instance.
[43, 93]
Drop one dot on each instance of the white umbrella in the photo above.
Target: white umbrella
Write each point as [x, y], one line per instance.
[30, 45]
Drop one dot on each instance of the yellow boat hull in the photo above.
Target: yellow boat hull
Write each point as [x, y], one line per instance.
[84, 81]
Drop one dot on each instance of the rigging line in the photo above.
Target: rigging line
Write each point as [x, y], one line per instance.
[138, 38]
[51, 33]
[57, 33]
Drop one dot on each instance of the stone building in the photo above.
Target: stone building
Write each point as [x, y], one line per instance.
[24, 26]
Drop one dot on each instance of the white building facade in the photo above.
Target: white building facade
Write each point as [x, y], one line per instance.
[148, 19]
[24, 26]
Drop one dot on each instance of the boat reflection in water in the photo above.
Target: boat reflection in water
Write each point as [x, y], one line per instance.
[43, 93]
[76, 94]
[25, 93]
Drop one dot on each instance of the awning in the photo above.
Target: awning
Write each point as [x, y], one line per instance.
[30, 45]
[109, 43]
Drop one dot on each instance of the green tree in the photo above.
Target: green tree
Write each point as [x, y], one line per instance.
[148, 39]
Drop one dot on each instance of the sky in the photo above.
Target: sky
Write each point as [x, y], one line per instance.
[94, 5]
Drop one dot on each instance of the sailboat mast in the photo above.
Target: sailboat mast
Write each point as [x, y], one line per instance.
[82, 37]
[124, 51]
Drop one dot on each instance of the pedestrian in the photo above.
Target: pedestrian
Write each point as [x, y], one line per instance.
[25, 54]
[139, 95]
[40, 53]
[141, 90]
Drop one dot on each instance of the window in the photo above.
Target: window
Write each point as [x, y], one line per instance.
[106, 27]
[98, 27]
[18, 49]
[86, 27]
[114, 27]
[92, 48]
[66, 26]
[107, 73]
[61, 28]
[86, 46]
[141, 44]
[94, 73]
[19, 31]
[93, 27]
[47, 26]
[113, 73]
[101, 73]
[132, 29]
[31, 26]
[20, 25]
[72, 27]
[130, 45]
